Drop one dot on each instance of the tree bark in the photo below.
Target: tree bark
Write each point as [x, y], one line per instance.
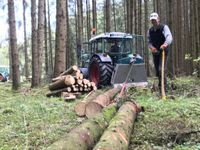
[25, 40]
[79, 30]
[35, 65]
[118, 133]
[13, 45]
[94, 107]
[60, 48]
[94, 17]
[50, 69]
[40, 36]
[85, 135]
[108, 27]
[114, 16]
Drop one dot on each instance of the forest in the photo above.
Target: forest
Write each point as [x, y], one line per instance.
[43, 45]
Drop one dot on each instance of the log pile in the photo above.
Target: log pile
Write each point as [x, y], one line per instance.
[69, 84]
[112, 127]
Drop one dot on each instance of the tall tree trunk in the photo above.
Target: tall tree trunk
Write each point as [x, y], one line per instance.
[125, 16]
[35, 65]
[94, 17]
[40, 36]
[25, 40]
[60, 47]
[46, 44]
[88, 20]
[191, 34]
[68, 52]
[170, 20]
[146, 22]
[135, 16]
[13, 45]
[108, 26]
[114, 16]
[186, 35]
[139, 17]
[51, 68]
[196, 35]
[79, 30]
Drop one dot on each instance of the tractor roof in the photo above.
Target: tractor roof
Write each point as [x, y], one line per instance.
[111, 35]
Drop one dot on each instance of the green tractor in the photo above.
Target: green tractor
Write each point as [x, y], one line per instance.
[4, 73]
[109, 56]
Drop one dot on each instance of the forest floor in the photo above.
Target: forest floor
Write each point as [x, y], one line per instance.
[30, 120]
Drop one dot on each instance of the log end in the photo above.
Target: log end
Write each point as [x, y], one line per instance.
[80, 109]
[92, 109]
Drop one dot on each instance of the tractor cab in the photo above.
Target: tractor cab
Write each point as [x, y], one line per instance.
[108, 50]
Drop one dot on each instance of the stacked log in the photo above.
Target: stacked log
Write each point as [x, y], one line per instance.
[84, 136]
[117, 135]
[70, 82]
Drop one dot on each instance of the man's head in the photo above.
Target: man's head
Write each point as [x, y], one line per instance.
[154, 18]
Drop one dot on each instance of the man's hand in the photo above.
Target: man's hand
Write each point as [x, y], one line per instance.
[153, 50]
[164, 46]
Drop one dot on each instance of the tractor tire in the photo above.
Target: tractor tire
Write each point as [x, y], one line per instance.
[100, 72]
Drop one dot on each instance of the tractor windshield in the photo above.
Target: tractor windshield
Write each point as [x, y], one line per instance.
[118, 45]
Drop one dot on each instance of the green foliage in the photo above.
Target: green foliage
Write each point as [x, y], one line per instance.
[4, 58]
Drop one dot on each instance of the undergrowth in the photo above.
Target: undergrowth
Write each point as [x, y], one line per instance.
[168, 124]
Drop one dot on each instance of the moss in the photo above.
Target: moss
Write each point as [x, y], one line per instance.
[109, 112]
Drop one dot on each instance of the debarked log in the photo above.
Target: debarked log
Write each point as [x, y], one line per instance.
[80, 106]
[95, 106]
[86, 134]
[118, 133]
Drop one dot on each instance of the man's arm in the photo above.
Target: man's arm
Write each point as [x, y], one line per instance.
[168, 35]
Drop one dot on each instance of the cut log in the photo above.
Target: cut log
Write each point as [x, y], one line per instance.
[117, 135]
[71, 70]
[85, 81]
[69, 97]
[80, 106]
[81, 76]
[64, 82]
[58, 78]
[102, 100]
[58, 92]
[86, 134]
[69, 80]
[59, 84]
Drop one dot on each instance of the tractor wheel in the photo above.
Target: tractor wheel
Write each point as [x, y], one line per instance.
[100, 72]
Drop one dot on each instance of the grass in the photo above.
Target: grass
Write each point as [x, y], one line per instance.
[30, 120]
[170, 124]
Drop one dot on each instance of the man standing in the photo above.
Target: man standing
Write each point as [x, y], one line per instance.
[160, 38]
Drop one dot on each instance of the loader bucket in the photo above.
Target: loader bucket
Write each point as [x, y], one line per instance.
[136, 75]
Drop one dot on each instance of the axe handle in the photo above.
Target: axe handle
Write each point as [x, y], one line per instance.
[163, 95]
